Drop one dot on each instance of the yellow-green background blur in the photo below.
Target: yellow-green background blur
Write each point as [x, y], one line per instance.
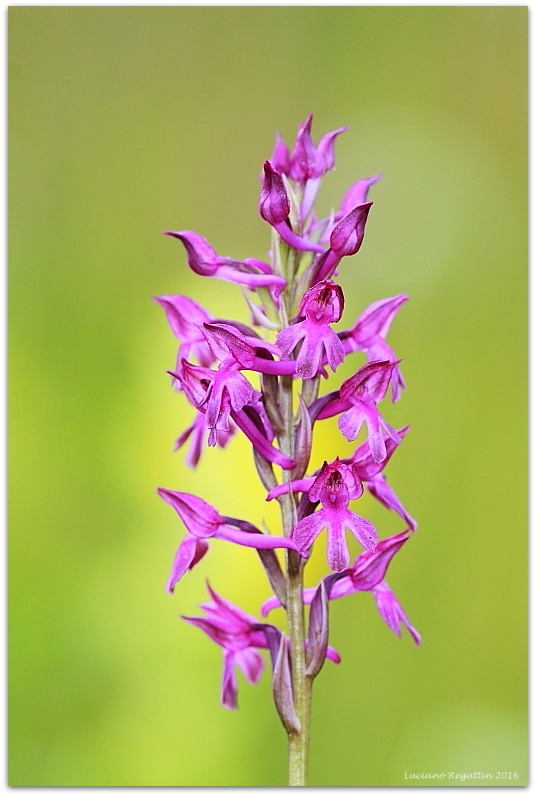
[126, 121]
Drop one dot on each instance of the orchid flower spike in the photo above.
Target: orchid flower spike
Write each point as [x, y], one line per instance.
[293, 296]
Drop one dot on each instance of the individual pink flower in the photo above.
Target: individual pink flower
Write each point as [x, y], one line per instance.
[220, 404]
[364, 574]
[368, 335]
[204, 261]
[216, 393]
[370, 473]
[334, 487]
[307, 161]
[203, 522]
[366, 470]
[321, 305]
[241, 636]
[357, 399]
[364, 391]
[235, 631]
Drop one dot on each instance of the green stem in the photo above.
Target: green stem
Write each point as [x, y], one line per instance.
[288, 261]
[298, 742]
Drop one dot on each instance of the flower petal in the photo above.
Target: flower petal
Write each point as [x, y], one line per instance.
[288, 338]
[337, 549]
[308, 529]
[252, 664]
[350, 422]
[381, 490]
[310, 355]
[229, 686]
[363, 530]
[191, 550]
[391, 611]
[334, 350]
[200, 518]
[356, 195]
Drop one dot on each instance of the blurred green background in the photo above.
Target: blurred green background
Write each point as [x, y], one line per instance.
[126, 121]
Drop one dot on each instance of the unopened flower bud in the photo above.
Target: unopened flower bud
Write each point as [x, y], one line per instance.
[274, 204]
[347, 237]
